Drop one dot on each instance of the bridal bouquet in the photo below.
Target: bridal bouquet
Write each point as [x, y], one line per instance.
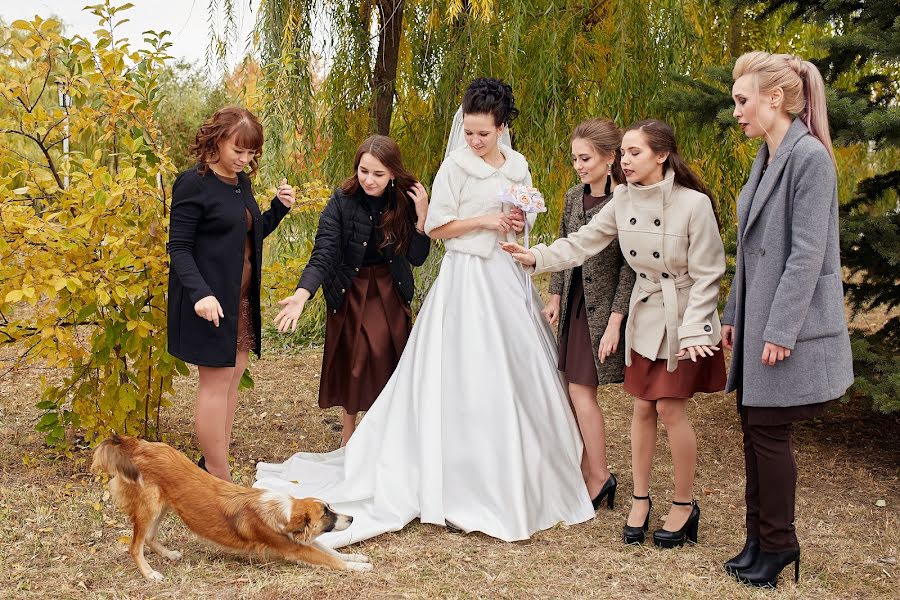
[529, 200]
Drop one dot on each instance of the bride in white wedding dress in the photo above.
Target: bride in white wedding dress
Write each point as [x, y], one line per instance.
[474, 428]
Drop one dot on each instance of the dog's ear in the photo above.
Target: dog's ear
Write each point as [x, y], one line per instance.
[304, 518]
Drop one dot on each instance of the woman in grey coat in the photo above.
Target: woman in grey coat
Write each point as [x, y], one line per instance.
[784, 319]
[592, 317]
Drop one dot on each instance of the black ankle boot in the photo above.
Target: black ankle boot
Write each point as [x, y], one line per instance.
[745, 558]
[635, 535]
[670, 539]
[608, 491]
[768, 565]
[202, 463]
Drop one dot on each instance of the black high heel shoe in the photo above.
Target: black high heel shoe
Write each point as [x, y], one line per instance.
[768, 566]
[635, 535]
[745, 558]
[671, 539]
[608, 491]
[202, 463]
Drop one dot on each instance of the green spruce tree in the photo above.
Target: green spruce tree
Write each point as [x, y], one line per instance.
[859, 57]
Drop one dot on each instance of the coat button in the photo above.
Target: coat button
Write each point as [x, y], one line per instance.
[633, 253]
[644, 275]
[343, 290]
[356, 269]
[370, 217]
[644, 299]
[656, 222]
[633, 221]
[762, 251]
[237, 191]
[587, 279]
[656, 255]
[334, 311]
[665, 275]
[365, 243]
[707, 328]
[591, 308]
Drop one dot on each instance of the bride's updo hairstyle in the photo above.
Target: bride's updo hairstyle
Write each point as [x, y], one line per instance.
[487, 95]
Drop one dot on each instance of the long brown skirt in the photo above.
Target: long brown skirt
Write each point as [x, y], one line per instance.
[649, 380]
[363, 341]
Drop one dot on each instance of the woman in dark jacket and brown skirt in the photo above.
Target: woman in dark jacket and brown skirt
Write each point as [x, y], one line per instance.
[592, 318]
[216, 234]
[369, 234]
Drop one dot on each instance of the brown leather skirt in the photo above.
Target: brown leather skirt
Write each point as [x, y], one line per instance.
[649, 380]
[363, 341]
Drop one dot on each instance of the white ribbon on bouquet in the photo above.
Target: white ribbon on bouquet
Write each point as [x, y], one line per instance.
[528, 200]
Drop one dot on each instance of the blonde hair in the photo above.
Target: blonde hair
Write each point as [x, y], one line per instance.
[799, 80]
[606, 138]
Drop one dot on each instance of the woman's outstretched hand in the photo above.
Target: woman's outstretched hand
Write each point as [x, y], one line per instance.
[522, 255]
[290, 314]
[697, 352]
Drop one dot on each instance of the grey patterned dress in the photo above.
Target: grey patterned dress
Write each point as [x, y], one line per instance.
[606, 280]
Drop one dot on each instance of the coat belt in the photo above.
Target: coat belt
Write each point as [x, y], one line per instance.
[668, 286]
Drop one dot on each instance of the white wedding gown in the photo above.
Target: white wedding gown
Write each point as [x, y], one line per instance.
[473, 429]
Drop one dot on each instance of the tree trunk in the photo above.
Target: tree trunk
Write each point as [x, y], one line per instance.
[384, 77]
[735, 32]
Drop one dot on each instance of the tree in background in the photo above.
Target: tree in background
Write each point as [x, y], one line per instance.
[565, 60]
[83, 268]
[83, 262]
[858, 53]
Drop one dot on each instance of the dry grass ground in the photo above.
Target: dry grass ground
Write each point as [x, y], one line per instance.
[61, 537]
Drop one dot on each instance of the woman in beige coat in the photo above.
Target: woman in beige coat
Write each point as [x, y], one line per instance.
[666, 226]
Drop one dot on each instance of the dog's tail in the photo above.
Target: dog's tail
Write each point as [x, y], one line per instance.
[111, 458]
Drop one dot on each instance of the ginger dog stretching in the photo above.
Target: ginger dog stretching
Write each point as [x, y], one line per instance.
[148, 479]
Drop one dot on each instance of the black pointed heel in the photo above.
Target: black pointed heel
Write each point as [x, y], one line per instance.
[745, 558]
[202, 463]
[688, 532]
[635, 535]
[608, 491]
[768, 566]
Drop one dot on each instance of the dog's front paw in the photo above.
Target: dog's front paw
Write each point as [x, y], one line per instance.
[154, 576]
[356, 558]
[173, 555]
[358, 566]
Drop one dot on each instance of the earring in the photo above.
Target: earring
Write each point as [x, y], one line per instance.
[608, 179]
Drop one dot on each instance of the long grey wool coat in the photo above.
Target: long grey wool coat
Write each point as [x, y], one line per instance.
[787, 288]
[607, 281]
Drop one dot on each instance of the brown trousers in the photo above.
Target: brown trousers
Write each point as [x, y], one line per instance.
[771, 484]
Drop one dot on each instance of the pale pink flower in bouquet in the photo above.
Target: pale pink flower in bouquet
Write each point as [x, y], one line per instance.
[529, 199]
